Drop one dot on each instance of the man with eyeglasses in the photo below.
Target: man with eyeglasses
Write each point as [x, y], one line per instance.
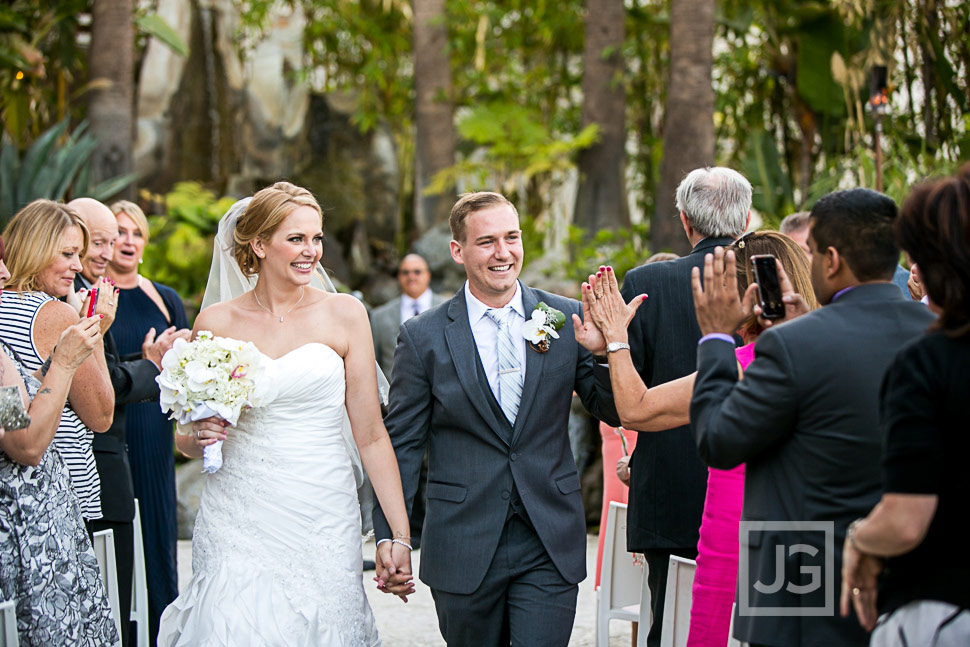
[416, 297]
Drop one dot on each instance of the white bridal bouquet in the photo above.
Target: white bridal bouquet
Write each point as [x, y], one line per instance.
[212, 376]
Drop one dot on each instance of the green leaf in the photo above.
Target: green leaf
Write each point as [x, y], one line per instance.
[111, 187]
[814, 79]
[37, 155]
[154, 25]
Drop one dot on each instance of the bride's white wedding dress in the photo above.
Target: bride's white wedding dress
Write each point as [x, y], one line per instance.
[276, 553]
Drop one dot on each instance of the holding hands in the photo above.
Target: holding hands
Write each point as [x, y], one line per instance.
[394, 573]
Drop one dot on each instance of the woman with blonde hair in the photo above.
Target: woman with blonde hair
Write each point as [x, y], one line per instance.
[46, 561]
[145, 308]
[666, 406]
[44, 244]
[278, 530]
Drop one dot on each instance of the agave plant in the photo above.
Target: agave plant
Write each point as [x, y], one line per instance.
[55, 165]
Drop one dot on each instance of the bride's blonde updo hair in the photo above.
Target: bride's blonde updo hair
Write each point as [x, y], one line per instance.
[267, 211]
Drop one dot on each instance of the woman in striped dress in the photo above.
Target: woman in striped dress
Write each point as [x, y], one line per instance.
[46, 563]
[44, 244]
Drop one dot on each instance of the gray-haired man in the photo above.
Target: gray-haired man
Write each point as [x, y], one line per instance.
[668, 481]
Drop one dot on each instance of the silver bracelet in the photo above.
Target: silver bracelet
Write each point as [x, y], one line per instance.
[401, 542]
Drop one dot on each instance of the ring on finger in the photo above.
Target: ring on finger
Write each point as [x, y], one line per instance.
[198, 434]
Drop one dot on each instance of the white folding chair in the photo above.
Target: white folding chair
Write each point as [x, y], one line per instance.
[8, 624]
[646, 608]
[139, 586]
[677, 602]
[104, 550]
[618, 597]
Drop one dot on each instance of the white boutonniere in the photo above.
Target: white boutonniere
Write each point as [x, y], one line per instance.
[544, 323]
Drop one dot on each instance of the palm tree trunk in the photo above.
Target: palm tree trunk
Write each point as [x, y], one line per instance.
[601, 198]
[111, 108]
[689, 119]
[434, 112]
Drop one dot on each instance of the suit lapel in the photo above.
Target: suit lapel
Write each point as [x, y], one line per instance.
[533, 366]
[464, 355]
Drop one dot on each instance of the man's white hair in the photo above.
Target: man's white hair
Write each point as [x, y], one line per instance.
[716, 201]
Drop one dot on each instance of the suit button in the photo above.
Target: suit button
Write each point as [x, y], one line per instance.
[505, 495]
[513, 456]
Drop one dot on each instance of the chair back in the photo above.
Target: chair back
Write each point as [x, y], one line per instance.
[620, 577]
[677, 602]
[104, 550]
[139, 584]
[8, 624]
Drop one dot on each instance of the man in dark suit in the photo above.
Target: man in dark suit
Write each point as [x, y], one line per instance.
[668, 481]
[133, 379]
[416, 296]
[504, 541]
[804, 418]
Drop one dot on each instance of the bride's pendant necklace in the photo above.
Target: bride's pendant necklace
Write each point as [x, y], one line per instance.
[302, 294]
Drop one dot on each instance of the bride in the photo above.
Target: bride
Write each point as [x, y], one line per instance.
[276, 554]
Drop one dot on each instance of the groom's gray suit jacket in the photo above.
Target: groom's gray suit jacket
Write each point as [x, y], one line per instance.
[440, 400]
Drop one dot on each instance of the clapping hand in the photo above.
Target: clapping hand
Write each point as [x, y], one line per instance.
[77, 342]
[394, 573]
[154, 348]
[717, 305]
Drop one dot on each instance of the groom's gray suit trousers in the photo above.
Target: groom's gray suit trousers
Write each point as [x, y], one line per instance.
[523, 599]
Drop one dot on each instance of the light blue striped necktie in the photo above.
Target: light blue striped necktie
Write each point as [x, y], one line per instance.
[509, 364]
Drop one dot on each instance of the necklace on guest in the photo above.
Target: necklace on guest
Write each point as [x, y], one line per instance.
[302, 294]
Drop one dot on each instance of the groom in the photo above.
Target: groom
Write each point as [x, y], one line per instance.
[504, 539]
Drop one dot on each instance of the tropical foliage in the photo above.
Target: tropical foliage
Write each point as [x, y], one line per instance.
[55, 166]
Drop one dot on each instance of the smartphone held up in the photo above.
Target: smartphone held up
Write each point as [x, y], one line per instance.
[769, 286]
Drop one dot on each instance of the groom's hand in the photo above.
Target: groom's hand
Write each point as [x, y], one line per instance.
[394, 570]
[587, 334]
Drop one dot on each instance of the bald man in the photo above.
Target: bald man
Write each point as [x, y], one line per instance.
[133, 379]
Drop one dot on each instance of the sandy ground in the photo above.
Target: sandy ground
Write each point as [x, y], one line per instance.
[415, 624]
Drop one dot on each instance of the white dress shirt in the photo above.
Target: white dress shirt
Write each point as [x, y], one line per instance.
[423, 302]
[485, 332]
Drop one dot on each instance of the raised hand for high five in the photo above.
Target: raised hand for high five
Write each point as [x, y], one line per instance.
[603, 303]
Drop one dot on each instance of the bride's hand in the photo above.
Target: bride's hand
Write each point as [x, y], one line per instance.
[209, 431]
[394, 573]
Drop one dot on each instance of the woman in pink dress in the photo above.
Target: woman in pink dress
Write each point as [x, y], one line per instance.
[666, 405]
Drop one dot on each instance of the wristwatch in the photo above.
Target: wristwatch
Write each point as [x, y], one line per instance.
[614, 346]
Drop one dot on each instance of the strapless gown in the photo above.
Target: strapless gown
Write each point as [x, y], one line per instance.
[276, 552]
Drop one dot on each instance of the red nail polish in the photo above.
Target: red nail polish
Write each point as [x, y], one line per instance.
[609, 269]
[599, 274]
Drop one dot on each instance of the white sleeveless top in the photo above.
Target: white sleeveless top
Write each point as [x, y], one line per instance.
[18, 313]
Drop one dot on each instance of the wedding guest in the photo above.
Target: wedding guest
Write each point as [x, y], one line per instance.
[916, 533]
[133, 380]
[804, 418]
[46, 561]
[657, 408]
[416, 297]
[795, 226]
[145, 305]
[44, 244]
[714, 205]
